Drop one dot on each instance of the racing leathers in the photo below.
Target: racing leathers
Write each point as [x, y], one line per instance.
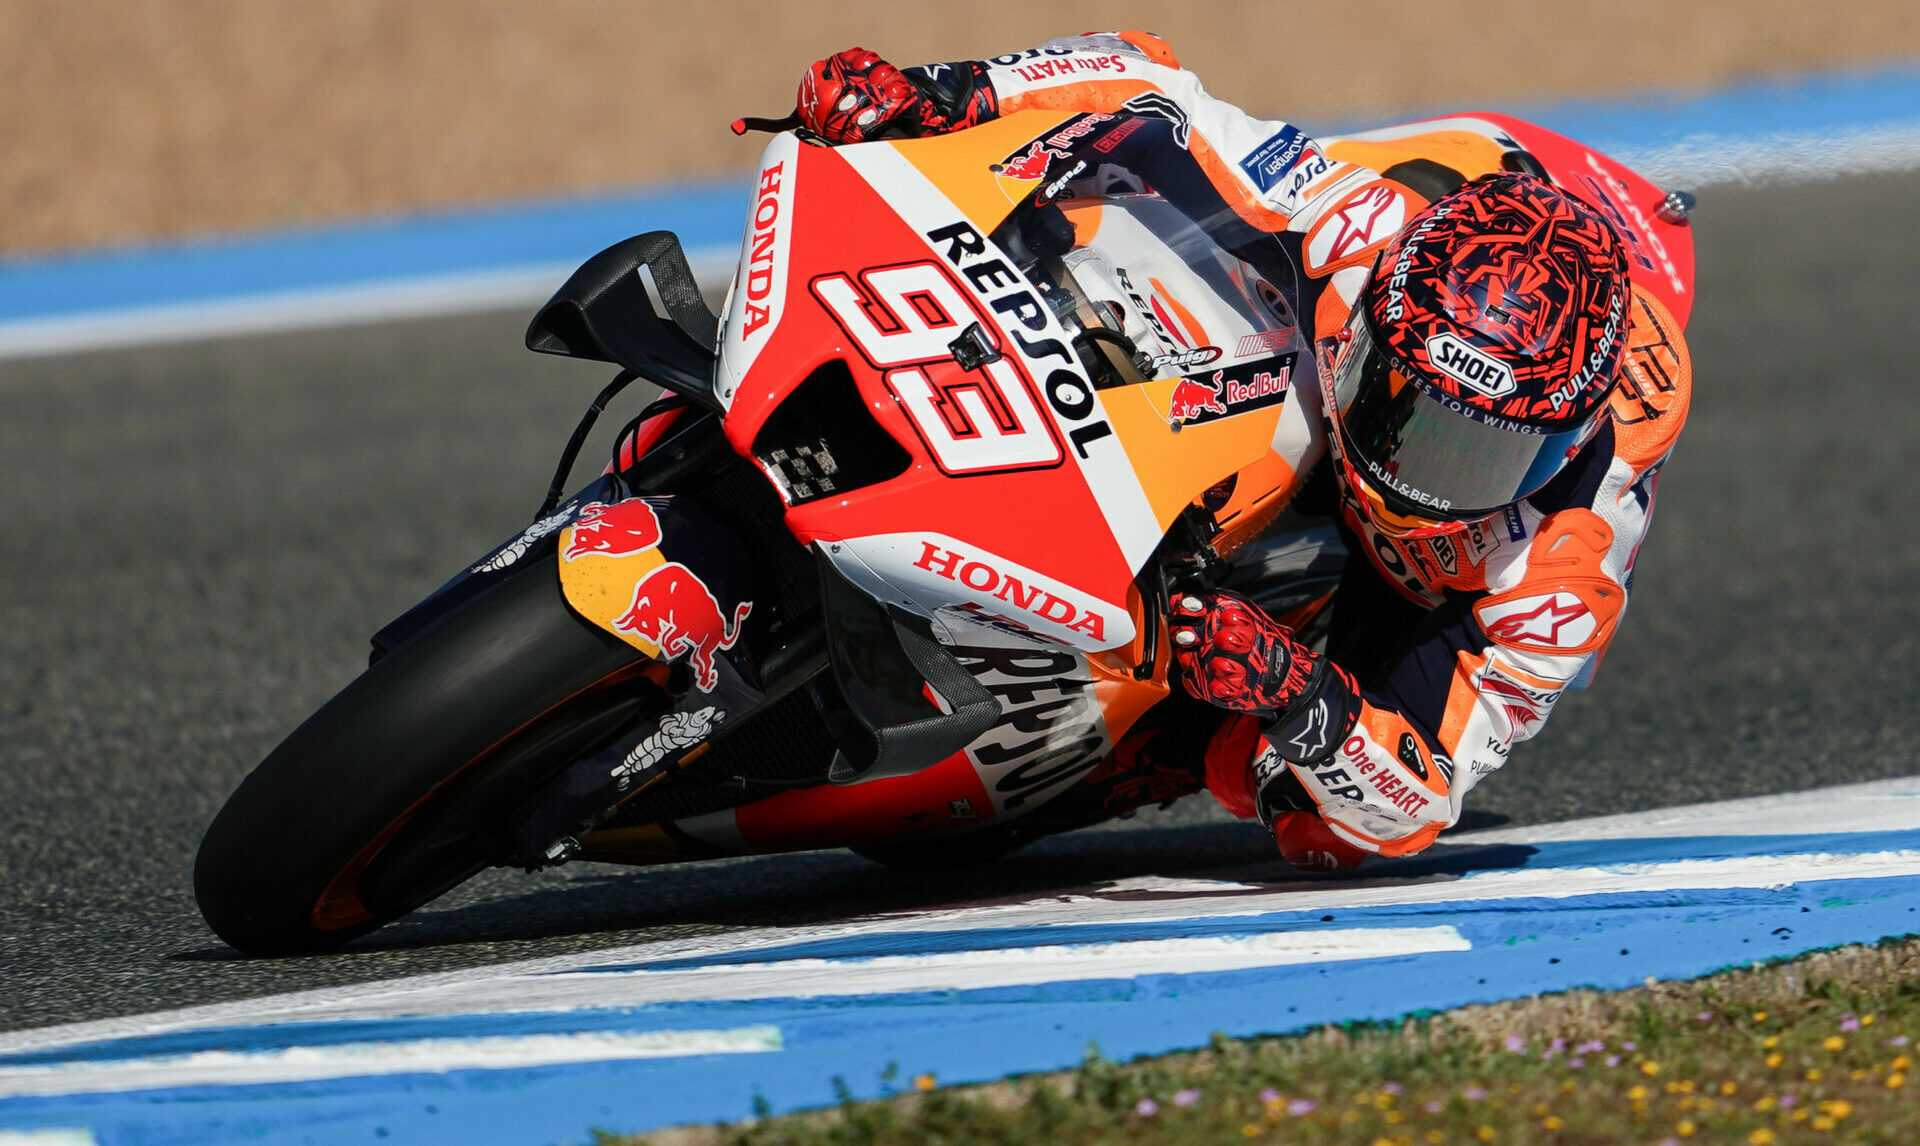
[1445, 650]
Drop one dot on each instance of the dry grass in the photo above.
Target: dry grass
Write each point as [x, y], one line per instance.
[182, 117]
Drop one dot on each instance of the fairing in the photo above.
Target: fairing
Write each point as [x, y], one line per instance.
[1064, 360]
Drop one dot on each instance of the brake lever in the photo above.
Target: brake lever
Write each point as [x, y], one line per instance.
[748, 123]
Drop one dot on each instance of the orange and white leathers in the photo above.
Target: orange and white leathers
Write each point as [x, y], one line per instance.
[1500, 617]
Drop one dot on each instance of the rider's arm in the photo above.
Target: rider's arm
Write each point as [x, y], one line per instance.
[1483, 672]
[1264, 169]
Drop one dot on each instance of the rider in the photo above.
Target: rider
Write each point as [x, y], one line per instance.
[1498, 400]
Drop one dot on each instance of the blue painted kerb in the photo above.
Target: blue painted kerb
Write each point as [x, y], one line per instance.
[708, 214]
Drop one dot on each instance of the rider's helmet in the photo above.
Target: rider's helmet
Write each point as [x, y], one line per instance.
[1480, 356]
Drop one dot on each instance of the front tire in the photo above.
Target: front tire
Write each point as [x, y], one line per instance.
[396, 791]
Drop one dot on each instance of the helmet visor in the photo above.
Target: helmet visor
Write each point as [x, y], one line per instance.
[1425, 454]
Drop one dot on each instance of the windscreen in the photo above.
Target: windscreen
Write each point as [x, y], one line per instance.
[1143, 260]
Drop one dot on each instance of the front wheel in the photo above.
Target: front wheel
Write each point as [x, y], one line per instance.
[399, 789]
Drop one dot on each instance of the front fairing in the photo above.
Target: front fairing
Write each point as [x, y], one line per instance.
[912, 364]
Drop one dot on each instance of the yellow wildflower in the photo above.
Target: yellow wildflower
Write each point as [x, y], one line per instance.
[1649, 1067]
[1728, 1087]
[1759, 1016]
[1685, 1129]
[1764, 1103]
[1395, 1116]
[1484, 1134]
[1550, 1122]
[1638, 1093]
[924, 1081]
[1834, 1042]
[1896, 1081]
[1539, 1109]
[1866, 1020]
[1775, 1059]
[1823, 1123]
[1838, 1107]
[1760, 1137]
[1900, 1063]
[1249, 1131]
[1436, 1136]
[1813, 1075]
[1770, 1041]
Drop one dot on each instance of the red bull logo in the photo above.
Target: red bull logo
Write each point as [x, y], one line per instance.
[618, 530]
[1192, 398]
[1029, 164]
[675, 611]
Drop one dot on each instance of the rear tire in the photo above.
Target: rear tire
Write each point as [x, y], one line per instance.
[398, 789]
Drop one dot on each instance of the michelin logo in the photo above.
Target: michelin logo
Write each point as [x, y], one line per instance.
[1278, 155]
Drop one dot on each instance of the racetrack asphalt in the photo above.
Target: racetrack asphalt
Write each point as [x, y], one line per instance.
[198, 541]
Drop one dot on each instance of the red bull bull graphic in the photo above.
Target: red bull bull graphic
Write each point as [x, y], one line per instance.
[617, 530]
[1033, 161]
[1193, 398]
[674, 611]
[1029, 164]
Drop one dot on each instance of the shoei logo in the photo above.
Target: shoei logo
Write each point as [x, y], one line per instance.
[1470, 366]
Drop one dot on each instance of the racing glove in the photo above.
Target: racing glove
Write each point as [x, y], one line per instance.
[1232, 655]
[855, 96]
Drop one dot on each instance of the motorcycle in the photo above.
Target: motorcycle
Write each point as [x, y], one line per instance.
[886, 563]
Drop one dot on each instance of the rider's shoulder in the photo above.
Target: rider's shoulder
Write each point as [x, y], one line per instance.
[1649, 403]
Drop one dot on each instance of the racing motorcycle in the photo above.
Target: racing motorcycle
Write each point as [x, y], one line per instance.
[886, 562]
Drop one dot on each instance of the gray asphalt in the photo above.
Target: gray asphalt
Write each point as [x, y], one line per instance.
[198, 541]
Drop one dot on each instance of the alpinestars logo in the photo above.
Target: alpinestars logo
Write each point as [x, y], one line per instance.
[1551, 621]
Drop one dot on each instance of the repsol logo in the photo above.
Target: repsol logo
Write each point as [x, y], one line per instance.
[1469, 365]
[1050, 732]
[760, 258]
[1030, 324]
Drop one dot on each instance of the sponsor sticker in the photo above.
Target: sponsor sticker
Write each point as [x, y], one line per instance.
[617, 530]
[1233, 390]
[1265, 341]
[1034, 160]
[1470, 366]
[1185, 359]
[1365, 219]
[675, 612]
[1281, 153]
[1524, 702]
[677, 731]
[1548, 621]
[989, 577]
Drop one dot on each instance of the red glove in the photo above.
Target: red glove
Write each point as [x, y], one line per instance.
[1236, 657]
[855, 96]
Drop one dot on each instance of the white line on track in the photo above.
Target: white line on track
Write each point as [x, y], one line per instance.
[436, 296]
[1891, 805]
[352, 1060]
[959, 970]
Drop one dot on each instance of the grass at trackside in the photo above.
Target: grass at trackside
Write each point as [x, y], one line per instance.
[1818, 1049]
